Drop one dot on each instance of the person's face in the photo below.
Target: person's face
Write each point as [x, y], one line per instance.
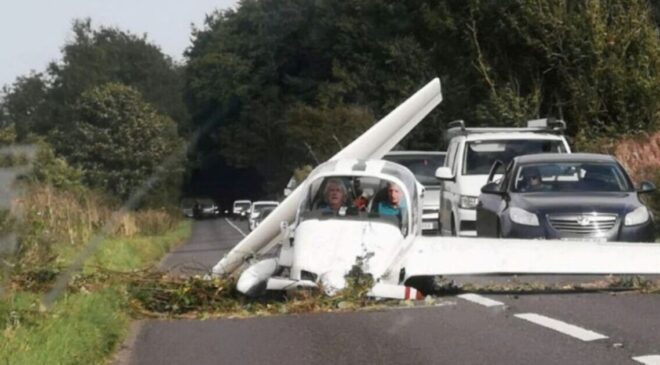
[535, 180]
[334, 196]
[394, 194]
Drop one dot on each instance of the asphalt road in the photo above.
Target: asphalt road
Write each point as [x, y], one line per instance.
[599, 328]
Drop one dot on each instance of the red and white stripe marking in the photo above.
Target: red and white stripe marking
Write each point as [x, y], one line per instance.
[412, 293]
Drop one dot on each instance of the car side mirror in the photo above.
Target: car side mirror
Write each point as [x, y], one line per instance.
[492, 188]
[444, 173]
[646, 187]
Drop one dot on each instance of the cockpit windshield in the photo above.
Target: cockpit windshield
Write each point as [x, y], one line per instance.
[356, 198]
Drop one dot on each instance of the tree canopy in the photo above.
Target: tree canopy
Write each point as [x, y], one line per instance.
[118, 140]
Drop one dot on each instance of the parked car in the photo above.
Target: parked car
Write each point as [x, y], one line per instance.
[264, 213]
[241, 208]
[256, 210]
[470, 155]
[571, 196]
[423, 165]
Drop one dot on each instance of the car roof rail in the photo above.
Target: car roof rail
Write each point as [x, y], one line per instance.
[544, 125]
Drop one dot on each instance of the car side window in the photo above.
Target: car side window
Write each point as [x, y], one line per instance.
[506, 177]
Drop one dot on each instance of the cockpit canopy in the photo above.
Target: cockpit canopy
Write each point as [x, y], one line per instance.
[362, 190]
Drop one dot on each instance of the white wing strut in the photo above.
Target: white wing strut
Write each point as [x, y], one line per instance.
[373, 144]
[475, 256]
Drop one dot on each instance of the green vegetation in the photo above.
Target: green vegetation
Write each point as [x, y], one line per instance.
[288, 83]
[119, 141]
[277, 86]
[91, 317]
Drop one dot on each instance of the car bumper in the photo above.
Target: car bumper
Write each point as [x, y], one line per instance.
[467, 222]
[638, 233]
[430, 222]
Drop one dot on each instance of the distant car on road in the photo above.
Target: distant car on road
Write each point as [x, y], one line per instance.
[204, 208]
[264, 213]
[257, 209]
[241, 208]
[564, 196]
[423, 165]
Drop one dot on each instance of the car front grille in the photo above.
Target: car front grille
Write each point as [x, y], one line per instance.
[591, 224]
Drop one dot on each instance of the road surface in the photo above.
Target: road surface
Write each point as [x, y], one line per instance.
[596, 328]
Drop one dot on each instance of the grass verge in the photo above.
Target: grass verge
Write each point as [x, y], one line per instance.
[88, 321]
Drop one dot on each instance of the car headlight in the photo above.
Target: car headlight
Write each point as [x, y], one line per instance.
[521, 216]
[637, 216]
[468, 202]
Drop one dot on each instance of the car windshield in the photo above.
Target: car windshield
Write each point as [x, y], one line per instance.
[258, 208]
[242, 205]
[571, 177]
[356, 198]
[480, 155]
[423, 166]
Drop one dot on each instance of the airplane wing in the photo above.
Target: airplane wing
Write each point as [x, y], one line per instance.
[430, 256]
[373, 144]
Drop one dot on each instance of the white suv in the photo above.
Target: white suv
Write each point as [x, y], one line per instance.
[471, 153]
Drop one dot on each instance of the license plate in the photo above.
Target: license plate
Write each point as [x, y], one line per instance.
[427, 225]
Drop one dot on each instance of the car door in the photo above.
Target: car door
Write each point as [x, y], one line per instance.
[447, 189]
[490, 207]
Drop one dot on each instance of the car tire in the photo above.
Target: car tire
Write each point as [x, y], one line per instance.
[453, 227]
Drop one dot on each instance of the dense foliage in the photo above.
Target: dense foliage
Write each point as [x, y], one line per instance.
[118, 140]
[278, 80]
[275, 85]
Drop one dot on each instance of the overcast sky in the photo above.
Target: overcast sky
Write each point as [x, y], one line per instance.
[32, 32]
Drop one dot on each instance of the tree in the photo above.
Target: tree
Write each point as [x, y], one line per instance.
[23, 105]
[119, 142]
[99, 56]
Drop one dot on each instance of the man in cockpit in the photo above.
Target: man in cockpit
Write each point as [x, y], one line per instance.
[394, 204]
[334, 195]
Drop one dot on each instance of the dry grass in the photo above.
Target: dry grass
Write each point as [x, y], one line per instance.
[55, 221]
[640, 156]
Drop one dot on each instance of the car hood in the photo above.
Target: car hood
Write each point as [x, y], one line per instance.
[579, 202]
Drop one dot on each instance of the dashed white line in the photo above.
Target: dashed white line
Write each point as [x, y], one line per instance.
[476, 298]
[563, 327]
[235, 227]
[648, 359]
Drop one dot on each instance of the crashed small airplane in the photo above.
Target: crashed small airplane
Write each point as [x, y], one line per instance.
[316, 247]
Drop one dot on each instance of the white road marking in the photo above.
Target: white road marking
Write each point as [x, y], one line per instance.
[648, 359]
[235, 227]
[476, 298]
[563, 327]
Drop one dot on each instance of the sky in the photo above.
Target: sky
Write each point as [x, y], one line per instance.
[32, 32]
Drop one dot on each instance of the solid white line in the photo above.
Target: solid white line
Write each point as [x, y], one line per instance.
[648, 359]
[563, 327]
[235, 227]
[476, 298]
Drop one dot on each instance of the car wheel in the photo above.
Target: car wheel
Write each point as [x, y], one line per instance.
[453, 226]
